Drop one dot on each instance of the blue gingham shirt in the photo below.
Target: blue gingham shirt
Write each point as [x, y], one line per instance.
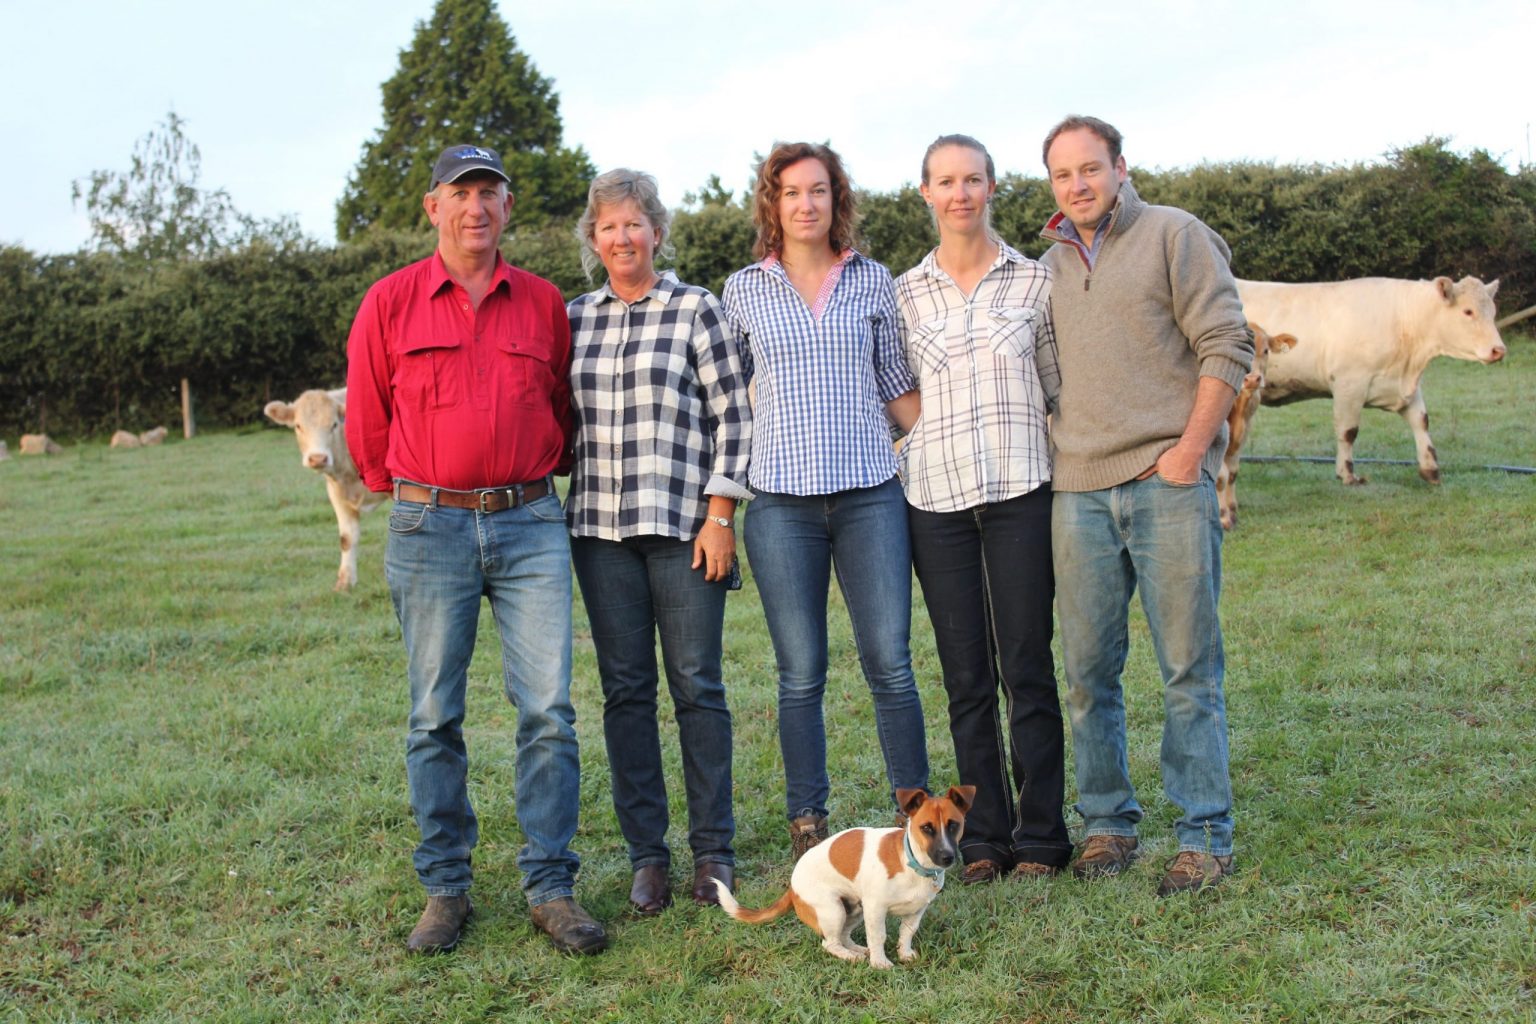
[986, 369]
[661, 411]
[819, 425]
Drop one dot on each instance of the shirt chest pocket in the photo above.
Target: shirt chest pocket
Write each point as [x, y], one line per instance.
[1013, 331]
[523, 369]
[926, 347]
[429, 373]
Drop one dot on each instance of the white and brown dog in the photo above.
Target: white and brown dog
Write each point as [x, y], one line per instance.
[862, 874]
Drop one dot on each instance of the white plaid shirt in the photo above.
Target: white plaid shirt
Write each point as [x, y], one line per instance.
[987, 371]
[661, 411]
[819, 425]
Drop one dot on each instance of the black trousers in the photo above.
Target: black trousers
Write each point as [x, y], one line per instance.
[987, 580]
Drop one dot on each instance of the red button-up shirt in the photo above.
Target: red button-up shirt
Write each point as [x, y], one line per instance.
[445, 395]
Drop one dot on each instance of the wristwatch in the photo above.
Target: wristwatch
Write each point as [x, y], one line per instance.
[722, 521]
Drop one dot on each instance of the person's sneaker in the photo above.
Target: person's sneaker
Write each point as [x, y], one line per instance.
[1191, 870]
[1103, 856]
[440, 926]
[979, 872]
[805, 832]
[570, 928]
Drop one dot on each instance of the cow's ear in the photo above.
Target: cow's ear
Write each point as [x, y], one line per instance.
[339, 396]
[279, 412]
[1447, 289]
[1277, 341]
[1492, 287]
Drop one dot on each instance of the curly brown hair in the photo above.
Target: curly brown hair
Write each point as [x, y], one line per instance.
[765, 196]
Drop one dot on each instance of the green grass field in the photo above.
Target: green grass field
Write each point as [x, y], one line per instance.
[203, 812]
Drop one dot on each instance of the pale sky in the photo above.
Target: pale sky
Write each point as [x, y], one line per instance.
[280, 95]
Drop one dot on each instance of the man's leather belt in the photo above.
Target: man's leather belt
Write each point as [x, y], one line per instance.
[489, 499]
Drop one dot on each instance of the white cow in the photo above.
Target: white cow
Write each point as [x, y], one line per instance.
[317, 419]
[123, 439]
[1366, 342]
[151, 437]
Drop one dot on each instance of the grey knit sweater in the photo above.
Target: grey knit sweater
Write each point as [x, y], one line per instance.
[1158, 311]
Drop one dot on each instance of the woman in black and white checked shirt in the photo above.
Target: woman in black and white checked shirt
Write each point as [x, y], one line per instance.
[662, 441]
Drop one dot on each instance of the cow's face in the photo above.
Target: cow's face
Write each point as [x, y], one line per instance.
[316, 419]
[1263, 344]
[1467, 319]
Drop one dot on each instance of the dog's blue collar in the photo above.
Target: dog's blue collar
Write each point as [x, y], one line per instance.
[934, 875]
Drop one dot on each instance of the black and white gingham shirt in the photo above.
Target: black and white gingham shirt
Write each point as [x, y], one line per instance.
[661, 411]
[986, 370]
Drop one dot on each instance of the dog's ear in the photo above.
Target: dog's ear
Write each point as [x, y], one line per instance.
[962, 797]
[909, 800]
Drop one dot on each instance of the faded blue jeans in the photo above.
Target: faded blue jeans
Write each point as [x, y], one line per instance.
[793, 544]
[635, 590]
[1164, 540]
[439, 563]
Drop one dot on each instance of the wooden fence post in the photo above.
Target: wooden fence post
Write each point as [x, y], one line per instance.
[188, 425]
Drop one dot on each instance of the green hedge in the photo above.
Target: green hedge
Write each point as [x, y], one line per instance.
[90, 343]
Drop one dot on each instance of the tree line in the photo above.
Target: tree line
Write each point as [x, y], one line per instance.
[176, 284]
[94, 341]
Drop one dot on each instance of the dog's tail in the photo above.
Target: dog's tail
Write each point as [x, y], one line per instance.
[730, 906]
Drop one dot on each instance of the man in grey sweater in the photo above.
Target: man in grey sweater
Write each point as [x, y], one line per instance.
[1153, 347]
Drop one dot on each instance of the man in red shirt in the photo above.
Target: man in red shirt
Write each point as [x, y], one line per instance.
[458, 400]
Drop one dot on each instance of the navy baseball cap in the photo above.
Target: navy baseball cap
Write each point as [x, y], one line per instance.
[457, 161]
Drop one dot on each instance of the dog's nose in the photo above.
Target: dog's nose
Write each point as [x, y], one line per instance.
[943, 858]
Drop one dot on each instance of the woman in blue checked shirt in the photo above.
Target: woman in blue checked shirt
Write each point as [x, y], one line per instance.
[977, 322]
[820, 343]
[662, 439]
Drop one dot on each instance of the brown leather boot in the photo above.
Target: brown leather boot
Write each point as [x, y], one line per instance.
[704, 892]
[651, 892]
[440, 926]
[571, 929]
[1103, 856]
[805, 832]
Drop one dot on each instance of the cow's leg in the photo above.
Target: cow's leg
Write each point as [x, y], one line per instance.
[1417, 418]
[350, 531]
[1226, 489]
[1346, 427]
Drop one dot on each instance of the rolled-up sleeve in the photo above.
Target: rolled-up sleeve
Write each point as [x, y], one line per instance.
[729, 416]
[368, 393]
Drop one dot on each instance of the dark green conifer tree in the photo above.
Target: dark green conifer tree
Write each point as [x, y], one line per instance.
[463, 79]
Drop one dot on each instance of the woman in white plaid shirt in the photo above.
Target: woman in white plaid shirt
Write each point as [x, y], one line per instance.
[662, 440]
[977, 323]
[819, 335]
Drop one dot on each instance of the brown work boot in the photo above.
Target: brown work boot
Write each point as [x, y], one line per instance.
[440, 926]
[978, 872]
[1030, 869]
[651, 892]
[570, 928]
[805, 832]
[1103, 856]
[704, 892]
[1191, 870]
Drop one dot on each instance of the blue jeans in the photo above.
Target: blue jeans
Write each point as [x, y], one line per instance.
[440, 562]
[986, 576]
[635, 589]
[1165, 540]
[793, 544]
